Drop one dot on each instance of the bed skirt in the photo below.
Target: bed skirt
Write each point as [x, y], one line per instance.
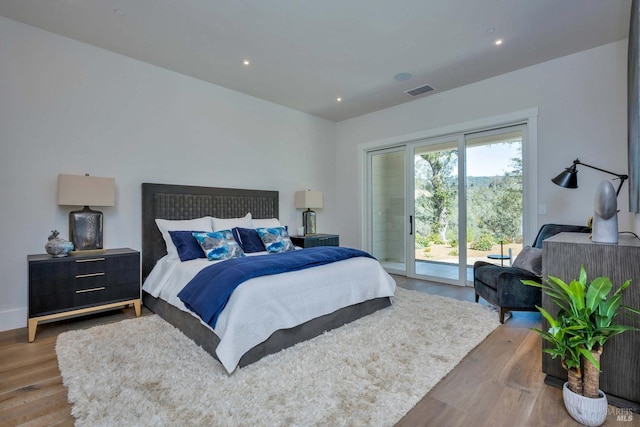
[279, 340]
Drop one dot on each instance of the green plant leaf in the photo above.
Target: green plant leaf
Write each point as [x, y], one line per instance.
[577, 295]
[631, 309]
[607, 310]
[622, 287]
[597, 292]
[553, 322]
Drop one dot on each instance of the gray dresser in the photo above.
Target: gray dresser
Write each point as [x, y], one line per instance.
[563, 254]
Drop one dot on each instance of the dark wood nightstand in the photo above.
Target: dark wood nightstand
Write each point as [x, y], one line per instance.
[81, 283]
[312, 240]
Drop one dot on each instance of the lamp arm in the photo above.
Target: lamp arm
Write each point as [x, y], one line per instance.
[621, 177]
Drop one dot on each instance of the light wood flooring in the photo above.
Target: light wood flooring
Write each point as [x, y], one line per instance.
[498, 384]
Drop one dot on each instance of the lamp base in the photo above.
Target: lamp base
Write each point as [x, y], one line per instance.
[85, 229]
[309, 222]
[605, 214]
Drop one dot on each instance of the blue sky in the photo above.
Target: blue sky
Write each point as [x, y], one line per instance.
[490, 160]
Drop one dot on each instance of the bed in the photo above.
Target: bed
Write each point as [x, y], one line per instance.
[177, 202]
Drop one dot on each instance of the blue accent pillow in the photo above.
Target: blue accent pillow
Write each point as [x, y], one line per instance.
[249, 240]
[187, 246]
[219, 245]
[276, 239]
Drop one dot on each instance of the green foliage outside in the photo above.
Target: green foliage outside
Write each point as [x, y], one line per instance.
[494, 204]
[484, 243]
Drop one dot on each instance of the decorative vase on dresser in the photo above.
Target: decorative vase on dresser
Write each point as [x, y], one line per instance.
[563, 255]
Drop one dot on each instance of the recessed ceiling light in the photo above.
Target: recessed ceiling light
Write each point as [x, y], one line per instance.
[339, 99]
[498, 42]
[118, 12]
[402, 77]
[246, 62]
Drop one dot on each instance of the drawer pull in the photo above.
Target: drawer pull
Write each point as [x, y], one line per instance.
[80, 276]
[90, 260]
[82, 291]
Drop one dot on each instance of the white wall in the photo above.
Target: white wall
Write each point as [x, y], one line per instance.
[581, 101]
[67, 107]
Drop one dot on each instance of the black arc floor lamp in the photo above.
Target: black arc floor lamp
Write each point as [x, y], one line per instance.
[569, 178]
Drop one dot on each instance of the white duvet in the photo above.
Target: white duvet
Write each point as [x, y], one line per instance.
[263, 305]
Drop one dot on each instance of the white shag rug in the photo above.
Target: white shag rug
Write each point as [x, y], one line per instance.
[370, 372]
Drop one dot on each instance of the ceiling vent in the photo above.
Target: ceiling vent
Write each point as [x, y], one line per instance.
[419, 90]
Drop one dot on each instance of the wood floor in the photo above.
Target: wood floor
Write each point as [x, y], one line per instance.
[497, 384]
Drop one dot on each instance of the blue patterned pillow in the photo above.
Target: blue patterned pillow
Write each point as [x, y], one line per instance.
[187, 246]
[249, 240]
[219, 245]
[275, 239]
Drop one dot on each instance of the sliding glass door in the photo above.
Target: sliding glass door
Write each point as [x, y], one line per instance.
[459, 201]
[494, 195]
[435, 200]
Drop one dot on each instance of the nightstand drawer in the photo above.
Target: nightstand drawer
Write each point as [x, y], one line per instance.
[52, 270]
[81, 298]
[325, 241]
[316, 240]
[60, 285]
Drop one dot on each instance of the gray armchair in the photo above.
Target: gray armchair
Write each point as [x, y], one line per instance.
[502, 286]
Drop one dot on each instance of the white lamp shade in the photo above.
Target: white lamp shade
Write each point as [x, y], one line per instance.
[308, 199]
[85, 190]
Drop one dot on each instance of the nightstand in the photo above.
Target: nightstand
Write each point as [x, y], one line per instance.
[312, 240]
[81, 283]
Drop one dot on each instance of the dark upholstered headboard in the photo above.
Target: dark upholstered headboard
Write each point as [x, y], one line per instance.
[176, 202]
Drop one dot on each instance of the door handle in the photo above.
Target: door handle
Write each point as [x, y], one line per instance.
[410, 225]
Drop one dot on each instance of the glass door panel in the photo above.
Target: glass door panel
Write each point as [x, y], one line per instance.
[494, 195]
[436, 225]
[387, 215]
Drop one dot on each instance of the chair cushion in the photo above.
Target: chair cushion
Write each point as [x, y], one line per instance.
[487, 273]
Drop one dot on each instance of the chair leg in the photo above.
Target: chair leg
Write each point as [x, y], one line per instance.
[477, 297]
[502, 313]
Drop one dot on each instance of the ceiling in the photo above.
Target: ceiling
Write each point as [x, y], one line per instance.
[305, 54]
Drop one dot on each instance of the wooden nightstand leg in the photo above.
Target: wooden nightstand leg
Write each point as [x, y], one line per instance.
[136, 306]
[33, 325]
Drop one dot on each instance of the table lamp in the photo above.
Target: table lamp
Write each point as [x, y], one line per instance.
[85, 225]
[605, 217]
[569, 178]
[309, 200]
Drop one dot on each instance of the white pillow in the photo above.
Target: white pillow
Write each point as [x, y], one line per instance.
[229, 223]
[266, 223]
[165, 226]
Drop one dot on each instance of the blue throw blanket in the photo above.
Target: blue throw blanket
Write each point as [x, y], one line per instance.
[208, 292]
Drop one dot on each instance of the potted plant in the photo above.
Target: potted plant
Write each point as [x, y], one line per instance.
[586, 320]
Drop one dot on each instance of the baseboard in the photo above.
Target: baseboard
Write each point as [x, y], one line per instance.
[13, 319]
